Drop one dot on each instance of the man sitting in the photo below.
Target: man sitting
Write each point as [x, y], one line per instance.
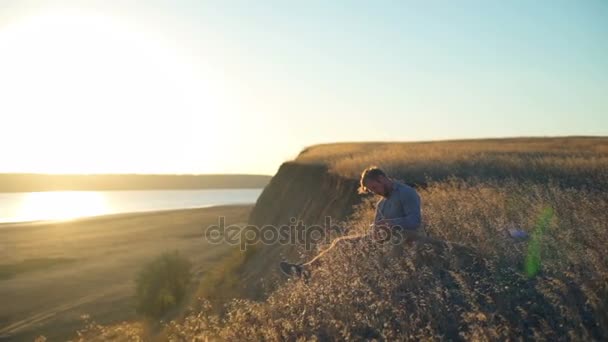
[398, 211]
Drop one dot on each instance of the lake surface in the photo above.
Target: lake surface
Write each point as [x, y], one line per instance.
[61, 205]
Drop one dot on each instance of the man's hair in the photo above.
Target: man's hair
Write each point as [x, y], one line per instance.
[372, 172]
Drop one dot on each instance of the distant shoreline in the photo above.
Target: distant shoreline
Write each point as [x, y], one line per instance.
[168, 189]
[82, 219]
[28, 182]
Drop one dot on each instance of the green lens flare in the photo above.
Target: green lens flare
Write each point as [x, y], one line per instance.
[533, 258]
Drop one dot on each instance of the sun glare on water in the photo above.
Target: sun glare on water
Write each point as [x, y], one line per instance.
[60, 205]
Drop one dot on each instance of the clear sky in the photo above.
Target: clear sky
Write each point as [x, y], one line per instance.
[241, 86]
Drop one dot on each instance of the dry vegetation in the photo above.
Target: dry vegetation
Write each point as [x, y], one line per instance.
[469, 281]
[576, 161]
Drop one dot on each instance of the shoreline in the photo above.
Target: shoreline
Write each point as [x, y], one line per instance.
[36, 223]
[127, 189]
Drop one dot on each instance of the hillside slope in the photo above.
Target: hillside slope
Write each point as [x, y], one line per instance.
[434, 291]
[469, 281]
[306, 193]
[323, 179]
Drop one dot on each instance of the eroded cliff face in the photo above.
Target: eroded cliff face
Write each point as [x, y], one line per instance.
[307, 192]
[304, 192]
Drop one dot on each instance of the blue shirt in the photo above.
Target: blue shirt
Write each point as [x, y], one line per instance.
[401, 207]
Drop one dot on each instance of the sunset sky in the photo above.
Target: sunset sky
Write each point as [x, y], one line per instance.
[241, 86]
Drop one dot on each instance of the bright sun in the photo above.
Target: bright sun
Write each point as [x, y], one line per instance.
[82, 92]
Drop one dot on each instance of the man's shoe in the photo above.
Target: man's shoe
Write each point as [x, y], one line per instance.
[294, 270]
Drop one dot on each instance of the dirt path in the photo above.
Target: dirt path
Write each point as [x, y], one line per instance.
[45, 315]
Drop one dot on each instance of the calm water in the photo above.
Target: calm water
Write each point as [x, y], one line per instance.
[58, 205]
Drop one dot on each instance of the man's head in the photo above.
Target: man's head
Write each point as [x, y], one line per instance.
[375, 180]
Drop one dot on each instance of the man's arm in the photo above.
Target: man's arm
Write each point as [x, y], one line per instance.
[378, 216]
[376, 231]
[411, 208]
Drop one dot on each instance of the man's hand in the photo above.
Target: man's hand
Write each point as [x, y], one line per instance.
[380, 230]
[383, 223]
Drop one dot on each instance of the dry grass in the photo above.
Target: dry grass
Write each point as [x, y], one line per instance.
[575, 161]
[121, 332]
[471, 288]
[469, 281]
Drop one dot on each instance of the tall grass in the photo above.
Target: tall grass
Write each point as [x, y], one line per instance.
[470, 283]
[575, 161]
[473, 287]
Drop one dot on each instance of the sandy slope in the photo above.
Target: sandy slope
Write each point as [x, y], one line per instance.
[108, 252]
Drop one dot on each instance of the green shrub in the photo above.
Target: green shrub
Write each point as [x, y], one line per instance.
[162, 283]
